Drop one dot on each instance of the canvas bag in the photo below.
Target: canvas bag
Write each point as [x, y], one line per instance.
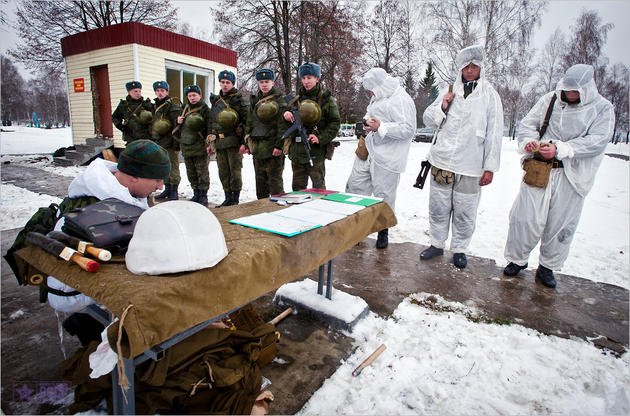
[537, 171]
[109, 223]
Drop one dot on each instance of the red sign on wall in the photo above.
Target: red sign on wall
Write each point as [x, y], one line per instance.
[79, 85]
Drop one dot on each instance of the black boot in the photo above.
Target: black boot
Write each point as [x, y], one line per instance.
[513, 269]
[545, 276]
[203, 198]
[459, 260]
[173, 195]
[165, 193]
[235, 197]
[431, 252]
[228, 200]
[383, 238]
[195, 197]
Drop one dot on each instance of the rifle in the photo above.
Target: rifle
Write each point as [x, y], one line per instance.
[425, 168]
[450, 89]
[299, 128]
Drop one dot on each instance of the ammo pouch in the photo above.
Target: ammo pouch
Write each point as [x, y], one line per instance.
[330, 149]
[361, 151]
[537, 172]
[442, 176]
[286, 145]
[109, 224]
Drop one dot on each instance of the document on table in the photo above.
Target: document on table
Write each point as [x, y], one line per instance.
[325, 205]
[306, 216]
[353, 199]
[303, 212]
[271, 221]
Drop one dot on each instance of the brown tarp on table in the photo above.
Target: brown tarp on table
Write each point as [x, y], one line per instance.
[258, 262]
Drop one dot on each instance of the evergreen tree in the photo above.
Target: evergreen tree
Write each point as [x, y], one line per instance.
[427, 92]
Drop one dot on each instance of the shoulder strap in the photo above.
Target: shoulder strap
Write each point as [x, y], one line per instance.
[545, 124]
[162, 105]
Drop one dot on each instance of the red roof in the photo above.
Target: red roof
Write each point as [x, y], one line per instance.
[134, 32]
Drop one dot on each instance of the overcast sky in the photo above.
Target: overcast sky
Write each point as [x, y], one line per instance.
[560, 13]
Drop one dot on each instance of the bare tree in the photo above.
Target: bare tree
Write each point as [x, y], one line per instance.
[385, 46]
[549, 65]
[586, 43]
[504, 28]
[42, 24]
[259, 31]
[409, 62]
[616, 90]
[13, 89]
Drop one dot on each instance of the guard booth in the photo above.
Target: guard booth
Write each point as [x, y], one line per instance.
[99, 62]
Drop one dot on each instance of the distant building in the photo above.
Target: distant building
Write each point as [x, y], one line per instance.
[99, 62]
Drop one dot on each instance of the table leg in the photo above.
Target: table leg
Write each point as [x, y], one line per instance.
[122, 406]
[329, 280]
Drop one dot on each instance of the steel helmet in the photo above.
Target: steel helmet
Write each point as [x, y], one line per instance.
[173, 237]
[162, 126]
[145, 117]
[267, 111]
[227, 118]
[309, 112]
[194, 122]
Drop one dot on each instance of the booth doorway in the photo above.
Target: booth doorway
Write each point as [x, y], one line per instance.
[101, 101]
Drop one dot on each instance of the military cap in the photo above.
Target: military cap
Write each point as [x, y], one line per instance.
[192, 88]
[131, 85]
[310, 68]
[264, 73]
[160, 84]
[145, 159]
[229, 75]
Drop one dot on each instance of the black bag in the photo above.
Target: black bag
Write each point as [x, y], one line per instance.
[109, 224]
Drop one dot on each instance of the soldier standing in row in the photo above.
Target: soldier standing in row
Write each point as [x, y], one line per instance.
[263, 139]
[228, 114]
[195, 124]
[133, 114]
[164, 121]
[319, 114]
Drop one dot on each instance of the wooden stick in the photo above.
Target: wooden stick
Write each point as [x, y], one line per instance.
[369, 360]
[99, 253]
[280, 317]
[83, 262]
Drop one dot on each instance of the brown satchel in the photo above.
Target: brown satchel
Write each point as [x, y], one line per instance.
[361, 152]
[537, 171]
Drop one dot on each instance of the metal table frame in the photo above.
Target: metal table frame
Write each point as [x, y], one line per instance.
[125, 404]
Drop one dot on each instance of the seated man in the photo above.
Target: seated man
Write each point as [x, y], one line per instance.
[141, 170]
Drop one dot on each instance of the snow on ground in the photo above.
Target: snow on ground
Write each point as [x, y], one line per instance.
[438, 362]
[441, 357]
[17, 205]
[20, 140]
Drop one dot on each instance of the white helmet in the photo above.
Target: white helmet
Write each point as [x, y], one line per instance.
[175, 236]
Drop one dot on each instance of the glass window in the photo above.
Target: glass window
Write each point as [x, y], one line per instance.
[179, 76]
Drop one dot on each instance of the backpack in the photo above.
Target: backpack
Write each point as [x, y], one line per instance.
[43, 221]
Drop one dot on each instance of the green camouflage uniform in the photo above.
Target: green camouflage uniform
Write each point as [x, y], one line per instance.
[125, 118]
[169, 109]
[266, 136]
[193, 145]
[325, 130]
[228, 141]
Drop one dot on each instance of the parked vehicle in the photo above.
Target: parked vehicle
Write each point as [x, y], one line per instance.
[346, 130]
[424, 135]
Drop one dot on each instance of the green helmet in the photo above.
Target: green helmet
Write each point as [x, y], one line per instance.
[267, 111]
[194, 122]
[309, 112]
[145, 117]
[162, 126]
[227, 118]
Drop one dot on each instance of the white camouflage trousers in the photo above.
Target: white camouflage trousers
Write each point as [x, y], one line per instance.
[367, 178]
[549, 215]
[454, 203]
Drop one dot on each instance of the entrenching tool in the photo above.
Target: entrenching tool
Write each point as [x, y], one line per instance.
[369, 360]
